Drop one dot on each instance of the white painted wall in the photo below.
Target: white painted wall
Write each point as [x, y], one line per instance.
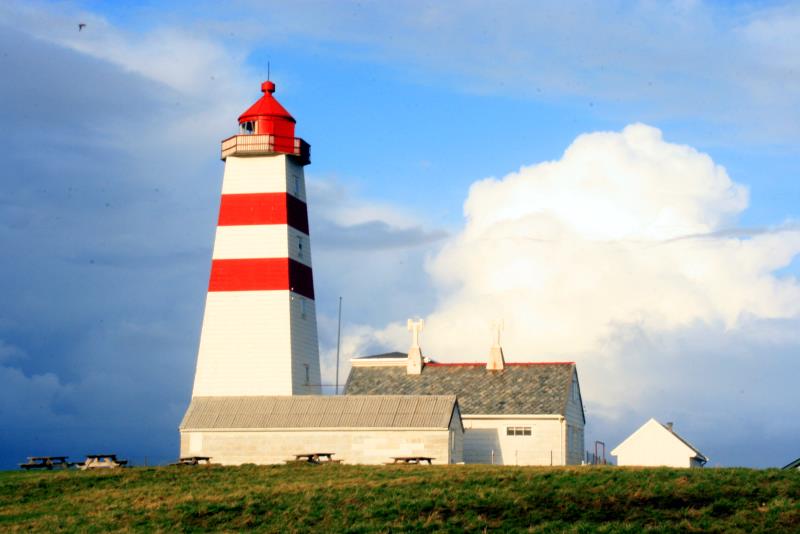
[295, 179]
[576, 446]
[482, 435]
[257, 343]
[456, 437]
[653, 445]
[352, 446]
[305, 347]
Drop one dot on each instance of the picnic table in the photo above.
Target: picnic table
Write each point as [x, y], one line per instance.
[193, 460]
[411, 460]
[315, 458]
[102, 461]
[46, 462]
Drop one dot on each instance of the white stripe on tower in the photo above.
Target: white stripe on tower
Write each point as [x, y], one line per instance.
[262, 241]
[263, 175]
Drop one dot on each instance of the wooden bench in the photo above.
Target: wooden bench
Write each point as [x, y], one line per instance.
[102, 461]
[193, 460]
[315, 458]
[46, 462]
[411, 460]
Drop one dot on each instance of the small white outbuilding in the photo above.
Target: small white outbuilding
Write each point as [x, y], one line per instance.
[654, 444]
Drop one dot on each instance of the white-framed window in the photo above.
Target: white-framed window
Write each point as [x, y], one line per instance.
[308, 374]
[518, 431]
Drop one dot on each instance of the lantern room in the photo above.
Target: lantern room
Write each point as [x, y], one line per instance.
[267, 116]
[266, 128]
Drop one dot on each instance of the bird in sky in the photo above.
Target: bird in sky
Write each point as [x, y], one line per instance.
[81, 26]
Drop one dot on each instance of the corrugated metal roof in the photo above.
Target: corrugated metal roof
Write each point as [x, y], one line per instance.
[318, 411]
[540, 388]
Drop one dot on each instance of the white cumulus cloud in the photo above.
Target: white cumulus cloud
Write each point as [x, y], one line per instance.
[625, 228]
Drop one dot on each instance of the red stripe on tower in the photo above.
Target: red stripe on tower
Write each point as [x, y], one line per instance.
[263, 208]
[261, 274]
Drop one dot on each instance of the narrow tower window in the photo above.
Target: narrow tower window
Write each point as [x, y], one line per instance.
[308, 374]
[247, 127]
[300, 246]
[303, 308]
[296, 185]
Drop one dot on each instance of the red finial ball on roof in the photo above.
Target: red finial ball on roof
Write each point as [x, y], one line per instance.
[268, 117]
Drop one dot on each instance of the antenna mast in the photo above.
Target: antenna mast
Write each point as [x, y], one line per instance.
[338, 345]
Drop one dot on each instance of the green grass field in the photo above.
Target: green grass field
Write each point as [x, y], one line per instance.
[340, 498]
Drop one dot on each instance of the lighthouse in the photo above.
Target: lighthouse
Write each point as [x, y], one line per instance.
[259, 333]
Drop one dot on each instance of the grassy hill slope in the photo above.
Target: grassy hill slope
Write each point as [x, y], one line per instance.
[340, 498]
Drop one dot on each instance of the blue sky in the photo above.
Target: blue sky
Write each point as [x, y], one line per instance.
[112, 180]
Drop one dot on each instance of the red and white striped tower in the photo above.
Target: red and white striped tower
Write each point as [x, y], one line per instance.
[259, 333]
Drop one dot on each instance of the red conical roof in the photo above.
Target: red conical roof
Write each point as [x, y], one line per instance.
[266, 107]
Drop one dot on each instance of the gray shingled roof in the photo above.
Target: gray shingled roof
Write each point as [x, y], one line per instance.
[318, 411]
[538, 388]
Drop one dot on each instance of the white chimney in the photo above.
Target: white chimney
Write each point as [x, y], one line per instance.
[496, 361]
[415, 360]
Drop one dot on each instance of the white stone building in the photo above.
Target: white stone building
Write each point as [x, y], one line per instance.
[654, 444]
[513, 413]
[358, 429]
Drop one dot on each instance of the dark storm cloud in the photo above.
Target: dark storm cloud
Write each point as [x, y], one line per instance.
[105, 255]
